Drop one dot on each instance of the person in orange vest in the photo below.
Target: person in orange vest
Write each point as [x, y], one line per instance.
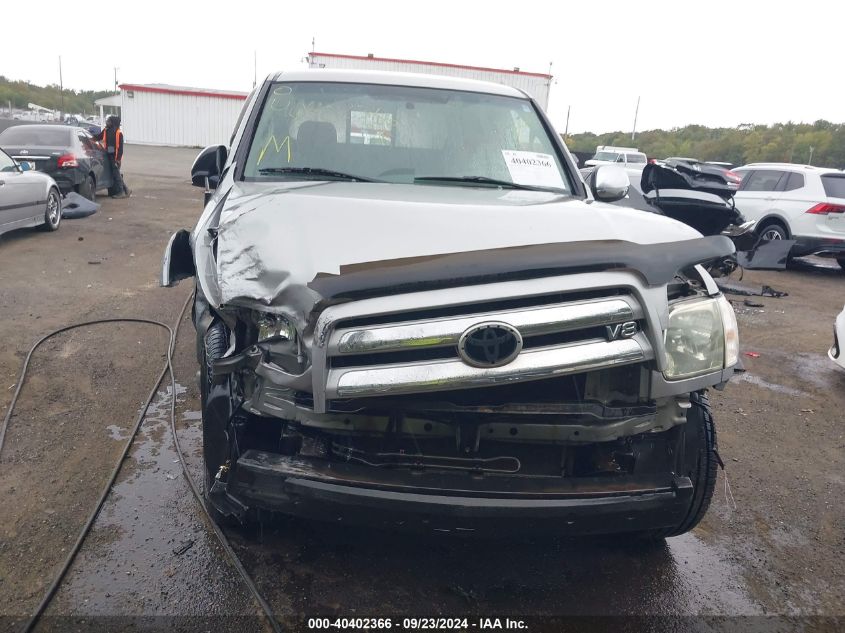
[111, 138]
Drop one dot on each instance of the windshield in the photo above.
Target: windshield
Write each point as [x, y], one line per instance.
[401, 134]
[26, 135]
[606, 156]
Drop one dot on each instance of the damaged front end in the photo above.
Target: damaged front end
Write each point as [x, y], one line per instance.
[541, 387]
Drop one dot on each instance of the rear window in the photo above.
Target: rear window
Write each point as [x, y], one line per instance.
[834, 185]
[31, 136]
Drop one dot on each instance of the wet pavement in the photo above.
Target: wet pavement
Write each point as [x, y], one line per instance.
[150, 551]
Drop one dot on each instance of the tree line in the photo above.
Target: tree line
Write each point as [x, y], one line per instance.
[821, 143]
[21, 93]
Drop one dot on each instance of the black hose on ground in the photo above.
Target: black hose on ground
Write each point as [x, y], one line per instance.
[168, 368]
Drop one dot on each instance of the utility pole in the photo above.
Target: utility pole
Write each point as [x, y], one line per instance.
[636, 113]
[566, 131]
[115, 78]
[61, 88]
[810, 160]
[254, 67]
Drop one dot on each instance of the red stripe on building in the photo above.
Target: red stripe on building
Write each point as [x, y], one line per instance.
[179, 91]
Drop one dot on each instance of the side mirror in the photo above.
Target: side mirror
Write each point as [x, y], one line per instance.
[178, 261]
[208, 165]
[25, 165]
[609, 183]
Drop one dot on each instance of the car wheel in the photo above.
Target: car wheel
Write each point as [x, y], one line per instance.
[773, 231]
[88, 188]
[701, 467]
[216, 402]
[53, 211]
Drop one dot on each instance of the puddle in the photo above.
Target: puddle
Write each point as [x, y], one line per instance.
[117, 432]
[759, 382]
[192, 416]
[307, 566]
[816, 368]
[159, 408]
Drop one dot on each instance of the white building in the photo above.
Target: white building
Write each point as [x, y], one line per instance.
[535, 84]
[158, 114]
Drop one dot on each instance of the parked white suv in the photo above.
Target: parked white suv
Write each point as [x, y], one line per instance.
[797, 202]
[624, 156]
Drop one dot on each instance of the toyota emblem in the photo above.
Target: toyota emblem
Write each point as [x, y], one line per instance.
[490, 344]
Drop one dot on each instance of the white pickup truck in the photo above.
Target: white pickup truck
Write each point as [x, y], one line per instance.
[412, 311]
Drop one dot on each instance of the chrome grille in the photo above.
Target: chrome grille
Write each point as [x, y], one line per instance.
[393, 355]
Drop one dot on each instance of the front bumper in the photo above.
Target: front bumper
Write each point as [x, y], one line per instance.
[453, 502]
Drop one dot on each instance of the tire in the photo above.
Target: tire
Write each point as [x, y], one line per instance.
[53, 211]
[214, 441]
[773, 231]
[701, 466]
[88, 188]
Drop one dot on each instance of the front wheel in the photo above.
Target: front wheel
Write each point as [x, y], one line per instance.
[215, 397]
[53, 211]
[701, 465]
[773, 231]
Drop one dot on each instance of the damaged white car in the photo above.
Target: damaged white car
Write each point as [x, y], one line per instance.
[836, 354]
[412, 311]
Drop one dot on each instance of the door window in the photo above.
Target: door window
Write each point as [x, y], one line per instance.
[87, 142]
[6, 163]
[763, 180]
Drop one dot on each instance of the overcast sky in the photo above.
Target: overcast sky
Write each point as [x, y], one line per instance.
[716, 63]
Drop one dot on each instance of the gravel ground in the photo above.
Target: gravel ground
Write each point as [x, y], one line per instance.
[775, 549]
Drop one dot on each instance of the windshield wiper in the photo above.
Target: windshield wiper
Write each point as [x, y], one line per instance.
[317, 172]
[484, 180]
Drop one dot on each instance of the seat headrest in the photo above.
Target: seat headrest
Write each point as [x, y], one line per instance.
[316, 133]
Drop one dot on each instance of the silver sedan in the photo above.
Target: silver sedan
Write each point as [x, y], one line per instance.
[27, 197]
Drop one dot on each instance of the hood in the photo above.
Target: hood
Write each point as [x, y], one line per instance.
[273, 237]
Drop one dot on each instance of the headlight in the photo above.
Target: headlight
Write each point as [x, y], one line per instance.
[702, 337]
[272, 326]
